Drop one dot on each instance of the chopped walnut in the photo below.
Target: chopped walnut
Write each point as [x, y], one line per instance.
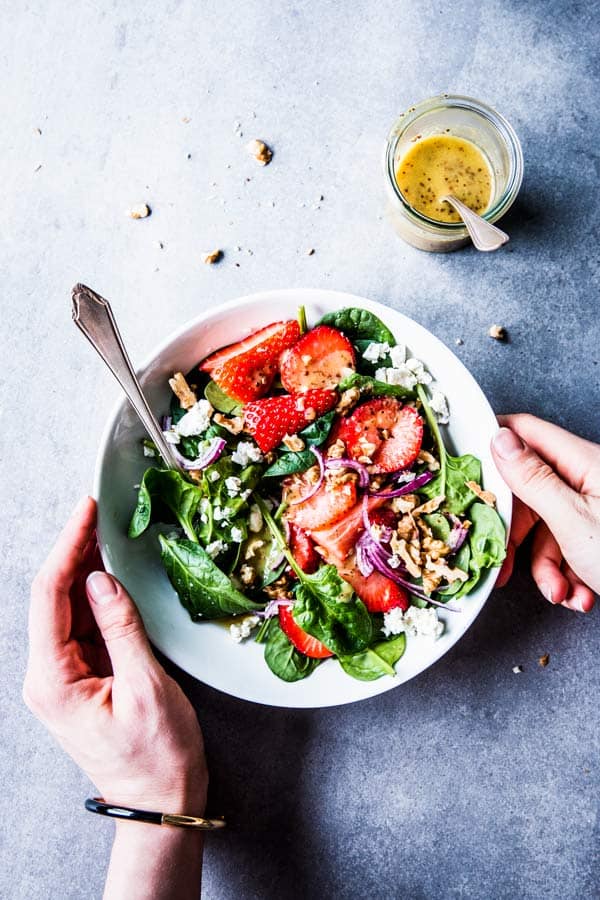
[233, 425]
[488, 498]
[403, 550]
[336, 477]
[336, 450]
[348, 400]
[293, 442]
[443, 570]
[182, 390]
[140, 211]
[435, 548]
[430, 506]
[429, 459]
[213, 257]
[431, 582]
[544, 660]
[279, 589]
[252, 547]
[404, 504]
[259, 150]
[196, 474]
[498, 332]
[247, 574]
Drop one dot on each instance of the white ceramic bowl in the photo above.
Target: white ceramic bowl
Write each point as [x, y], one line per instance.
[205, 650]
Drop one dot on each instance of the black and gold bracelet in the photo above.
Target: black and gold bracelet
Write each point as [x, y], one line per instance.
[97, 805]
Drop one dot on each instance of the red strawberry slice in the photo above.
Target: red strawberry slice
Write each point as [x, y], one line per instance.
[338, 540]
[377, 592]
[320, 359]
[330, 503]
[269, 420]
[303, 550]
[245, 370]
[302, 641]
[385, 432]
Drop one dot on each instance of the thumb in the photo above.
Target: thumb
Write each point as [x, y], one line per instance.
[119, 622]
[535, 483]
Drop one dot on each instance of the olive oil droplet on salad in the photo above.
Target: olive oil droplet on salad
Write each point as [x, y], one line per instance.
[444, 164]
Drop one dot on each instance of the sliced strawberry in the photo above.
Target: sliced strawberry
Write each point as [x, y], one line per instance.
[385, 432]
[377, 592]
[245, 370]
[330, 503]
[384, 516]
[320, 359]
[269, 420]
[302, 641]
[303, 550]
[338, 540]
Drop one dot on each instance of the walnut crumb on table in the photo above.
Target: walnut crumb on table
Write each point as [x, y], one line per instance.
[213, 257]
[260, 151]
[498, 332]
[544, 660]
[139, 211]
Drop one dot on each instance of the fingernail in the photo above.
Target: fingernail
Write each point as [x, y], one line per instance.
[507, 444]
[547, 592]
[101, 588]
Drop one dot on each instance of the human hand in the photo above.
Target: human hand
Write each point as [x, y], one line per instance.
[555, 477]
[93, 681]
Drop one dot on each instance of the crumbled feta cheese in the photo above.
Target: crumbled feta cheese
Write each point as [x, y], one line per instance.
[149, 451]
[196, 420]
[374, 352]
[405, 477]
[171, 437]
[238, 633]
[220, 513]
[419, 370]
[233, 485]
[255, 519]
[213, 549]
[398, 355]
[247, 574]
[245, 494]
[415, 622]
[245, 453]
[394, 561]
[401, 376]
[214, 475]
[204, 518]
[237, 535]
[439, 407]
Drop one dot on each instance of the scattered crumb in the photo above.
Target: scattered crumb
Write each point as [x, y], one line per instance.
[310, 252]
[213, 257]
[259, 150]
[498, 332]
[459, 342]
[189, 156]
[139, 211]
[38, 130]
[37, 168]
[161, 245]
[544, 660]
[517, 670]
[186, 119]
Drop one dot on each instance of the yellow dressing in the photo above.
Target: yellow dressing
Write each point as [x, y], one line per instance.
[443, 164]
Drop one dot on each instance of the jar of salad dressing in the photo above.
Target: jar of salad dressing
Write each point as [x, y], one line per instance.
[449, 145]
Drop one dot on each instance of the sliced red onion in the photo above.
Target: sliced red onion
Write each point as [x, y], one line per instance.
[272, 608]
[458, 535]
[414, 589]
[345, 463]
[313, 490]
[362, 556]
[210, 455]
[409, 488]
[166, 422]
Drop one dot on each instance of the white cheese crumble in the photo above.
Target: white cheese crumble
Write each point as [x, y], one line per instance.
[196, 420]
[401, 376]
[373, 352]
[255, 519]
[214, 475]
[245, 494]
[171, 437]
[233, 485]
[405, 374]
[213, 549]
[220, 513]
[439, 406]
[398, 355]
[237, 535]
[415, 622]
[245, 453]
[239, 632]
[149, 451]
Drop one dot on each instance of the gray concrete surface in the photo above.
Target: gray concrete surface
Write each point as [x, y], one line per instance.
[469, 782]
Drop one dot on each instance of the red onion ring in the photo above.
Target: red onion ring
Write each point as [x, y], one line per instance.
[345, 463]
[414, 485]
[313, 490]
[210, 455]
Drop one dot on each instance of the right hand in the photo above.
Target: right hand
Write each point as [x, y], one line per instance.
[555, 477]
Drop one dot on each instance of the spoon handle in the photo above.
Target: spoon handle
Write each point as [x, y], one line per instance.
[94, 317]
[484, 235]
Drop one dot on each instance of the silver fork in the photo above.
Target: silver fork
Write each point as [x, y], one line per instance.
[94, 318]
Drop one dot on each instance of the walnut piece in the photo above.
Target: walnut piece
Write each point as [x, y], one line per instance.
[259, 150]
[213, 257]
[429, 459]
[498, 332]
[488, 498]
[336, 450]
[429, 507]
[233, 425]
[347, 400]
[139, 211]
[293, 442]
[182, 390]
[544, 660]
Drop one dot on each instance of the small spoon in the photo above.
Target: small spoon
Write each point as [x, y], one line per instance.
[94, 317]
[484, 235]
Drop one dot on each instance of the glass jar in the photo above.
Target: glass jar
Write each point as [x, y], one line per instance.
[465, 118]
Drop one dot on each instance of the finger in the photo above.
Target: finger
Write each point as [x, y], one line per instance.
[571, 456]
[50, 608]
[546, 560]
[523, 520]
[581, 598]
[536, 484]
[120, 624]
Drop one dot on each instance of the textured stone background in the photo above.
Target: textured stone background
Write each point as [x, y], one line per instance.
[470, 781]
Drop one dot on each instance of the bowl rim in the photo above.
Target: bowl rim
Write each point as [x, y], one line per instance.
[342, 299]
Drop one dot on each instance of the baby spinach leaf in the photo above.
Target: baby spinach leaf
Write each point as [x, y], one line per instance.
[318, 431]
[487, 537]
[165, 496]
[291, 461]
[359, 325]
[282, 657]
[376, 661]
[461, 561]
[204, 590]
[371, 387]
[459, 470]
[439, 525]
[328, 609]
[220, 400]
